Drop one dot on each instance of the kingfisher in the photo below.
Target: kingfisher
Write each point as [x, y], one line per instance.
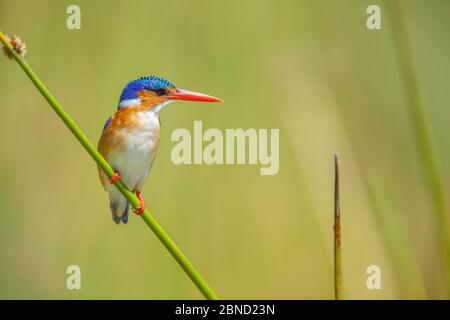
[130, 137]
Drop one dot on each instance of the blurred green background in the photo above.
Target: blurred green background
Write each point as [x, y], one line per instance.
[310, 68]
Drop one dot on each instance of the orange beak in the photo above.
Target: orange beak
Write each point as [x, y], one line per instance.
[181, 94]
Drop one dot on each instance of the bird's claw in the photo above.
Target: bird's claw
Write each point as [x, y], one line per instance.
[115, 177]
[139, 209]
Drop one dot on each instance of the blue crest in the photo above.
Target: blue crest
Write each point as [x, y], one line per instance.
[144, 83]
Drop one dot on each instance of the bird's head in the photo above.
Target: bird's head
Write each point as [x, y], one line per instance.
[155, 92]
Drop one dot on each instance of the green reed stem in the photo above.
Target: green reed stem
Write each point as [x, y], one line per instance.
[338, 287]
[421, 132]
[146, 216]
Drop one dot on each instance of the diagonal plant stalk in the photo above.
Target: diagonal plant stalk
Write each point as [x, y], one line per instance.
[338, 286]
[185, 264]
[422, 134]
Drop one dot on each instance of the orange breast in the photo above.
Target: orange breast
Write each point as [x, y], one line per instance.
[114, 137]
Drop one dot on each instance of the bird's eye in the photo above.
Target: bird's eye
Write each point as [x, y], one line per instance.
[160, 92]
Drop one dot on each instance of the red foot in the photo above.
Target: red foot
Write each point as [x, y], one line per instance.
[115, 177]
[139, 210]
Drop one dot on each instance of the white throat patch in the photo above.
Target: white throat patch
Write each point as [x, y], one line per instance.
[129, 103]
[135, 102]
[161, 105]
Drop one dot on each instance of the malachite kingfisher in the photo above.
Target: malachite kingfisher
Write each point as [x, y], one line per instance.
[130, 137]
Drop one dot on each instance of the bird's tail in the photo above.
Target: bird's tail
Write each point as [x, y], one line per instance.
[119, 208]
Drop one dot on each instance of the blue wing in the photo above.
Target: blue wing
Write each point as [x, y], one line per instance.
[107, 123]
